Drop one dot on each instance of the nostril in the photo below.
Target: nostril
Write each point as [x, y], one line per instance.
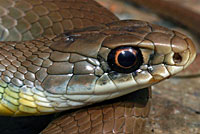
[177, 58]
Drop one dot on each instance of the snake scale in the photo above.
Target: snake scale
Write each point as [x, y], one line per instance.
[66, 54]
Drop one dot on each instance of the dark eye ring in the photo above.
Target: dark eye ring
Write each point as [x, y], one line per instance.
[125, 59]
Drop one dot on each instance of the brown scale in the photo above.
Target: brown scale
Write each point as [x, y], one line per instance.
[126, 115]
[54, 20]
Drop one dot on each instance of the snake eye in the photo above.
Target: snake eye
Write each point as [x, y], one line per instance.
[125, 59]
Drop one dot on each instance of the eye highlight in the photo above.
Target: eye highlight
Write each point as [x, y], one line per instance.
[125, 59]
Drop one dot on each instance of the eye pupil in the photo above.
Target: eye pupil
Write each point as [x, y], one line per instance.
[126, 59]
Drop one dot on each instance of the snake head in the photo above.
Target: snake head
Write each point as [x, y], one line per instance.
[123, 57]
[88, 65]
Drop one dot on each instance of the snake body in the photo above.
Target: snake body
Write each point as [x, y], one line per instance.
[55, 73]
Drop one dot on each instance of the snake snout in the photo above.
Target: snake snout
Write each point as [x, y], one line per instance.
[182, 55]
[192, 50]
[173, 49]
[183, 50]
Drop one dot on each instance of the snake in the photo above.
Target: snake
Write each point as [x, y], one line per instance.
[68, 54]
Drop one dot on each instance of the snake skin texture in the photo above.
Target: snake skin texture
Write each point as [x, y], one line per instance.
[55, 73]
[51, 75]
[29, 19]
[127, 116]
